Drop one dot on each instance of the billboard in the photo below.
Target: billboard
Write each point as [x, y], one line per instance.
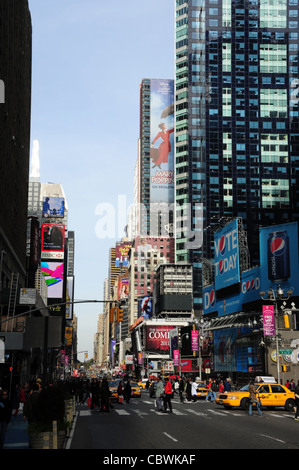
[69, 297]
[52, 244]
[145, 307]
[123, 288]
[157, 338]
[53, 274]
[162, 141]
[226, 250]
[122, 254]
[250, 292]
[279, 257]
[53, 207]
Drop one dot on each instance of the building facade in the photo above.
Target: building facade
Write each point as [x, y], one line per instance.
[236, 118]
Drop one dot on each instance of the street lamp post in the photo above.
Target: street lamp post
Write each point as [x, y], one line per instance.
[275, 297]
[180, 350]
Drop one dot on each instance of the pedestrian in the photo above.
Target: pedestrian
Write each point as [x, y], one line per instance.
[181, 389]
[159, 394]
[5, 415]
[209, 394]
[105, 396]
[214, 389]
[120, 392]
[297, 401]
[292, 385]
[288, 384]
[85, 392]
[227, 385]
[127, 391]
[30, 409]
[254, 399]
[221, 387]
[167, 395]
[194, 390]
[95, 394]
[188, 389]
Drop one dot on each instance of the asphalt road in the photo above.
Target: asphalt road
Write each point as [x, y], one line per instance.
[201, 425]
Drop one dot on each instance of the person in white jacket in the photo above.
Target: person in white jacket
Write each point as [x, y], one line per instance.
[194, 390]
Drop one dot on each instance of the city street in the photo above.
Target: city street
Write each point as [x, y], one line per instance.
[200, 425]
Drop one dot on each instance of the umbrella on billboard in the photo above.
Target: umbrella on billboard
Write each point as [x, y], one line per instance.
[167, 111]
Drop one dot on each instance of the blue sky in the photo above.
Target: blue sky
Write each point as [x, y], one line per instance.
[89, 58]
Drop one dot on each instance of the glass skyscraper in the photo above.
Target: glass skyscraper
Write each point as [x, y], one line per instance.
[236, 119]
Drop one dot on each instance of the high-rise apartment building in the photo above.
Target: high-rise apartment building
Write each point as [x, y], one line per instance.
[236, 118]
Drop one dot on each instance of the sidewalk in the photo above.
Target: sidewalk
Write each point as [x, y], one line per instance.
[16, 436]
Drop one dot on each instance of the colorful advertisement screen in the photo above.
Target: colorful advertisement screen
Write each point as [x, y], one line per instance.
[53, 207]
[52, 245]
[157, 338]
[53, 274]
[279, 257]
[162, 141]
[226, 249]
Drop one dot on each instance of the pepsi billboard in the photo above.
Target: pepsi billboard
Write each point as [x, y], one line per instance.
[251, 285]
[209, 299]
[250, 292]
[279, 257]
[226, 251]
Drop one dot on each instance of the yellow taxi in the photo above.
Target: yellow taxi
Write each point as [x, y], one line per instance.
[142, 383]
[271, 395]
[135, 388]
[113, 386]
[202, 390]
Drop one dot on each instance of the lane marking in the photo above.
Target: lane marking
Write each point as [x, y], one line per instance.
[170, 437]
[273, 438]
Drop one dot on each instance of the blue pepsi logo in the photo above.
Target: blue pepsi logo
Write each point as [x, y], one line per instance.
[212, 298]
[222, 245]
[277, 246]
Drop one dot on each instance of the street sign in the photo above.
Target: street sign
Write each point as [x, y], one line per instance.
[285, 351]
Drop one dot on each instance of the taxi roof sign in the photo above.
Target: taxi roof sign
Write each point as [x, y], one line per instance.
[266, 379]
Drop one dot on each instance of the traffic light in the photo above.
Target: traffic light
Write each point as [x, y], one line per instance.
[286, 321]
[119, 315]
[111, 315]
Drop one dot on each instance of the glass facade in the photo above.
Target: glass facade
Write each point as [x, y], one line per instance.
[236, 118]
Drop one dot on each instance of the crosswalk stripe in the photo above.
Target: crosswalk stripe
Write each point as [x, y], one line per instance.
[198, 413]
[181, 412]
[121, 412]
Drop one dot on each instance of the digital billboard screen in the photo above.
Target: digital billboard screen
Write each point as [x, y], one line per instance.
[52, 244]
[53, 275]
[157, 338]
[53, 207]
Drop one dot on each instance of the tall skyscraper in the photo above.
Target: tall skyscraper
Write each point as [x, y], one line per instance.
[15, 74]
[236, 117]
[154, 171]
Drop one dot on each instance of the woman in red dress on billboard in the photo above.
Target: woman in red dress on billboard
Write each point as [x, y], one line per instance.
[164, 148]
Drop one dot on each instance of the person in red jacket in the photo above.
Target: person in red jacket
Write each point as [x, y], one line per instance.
[167, 395]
